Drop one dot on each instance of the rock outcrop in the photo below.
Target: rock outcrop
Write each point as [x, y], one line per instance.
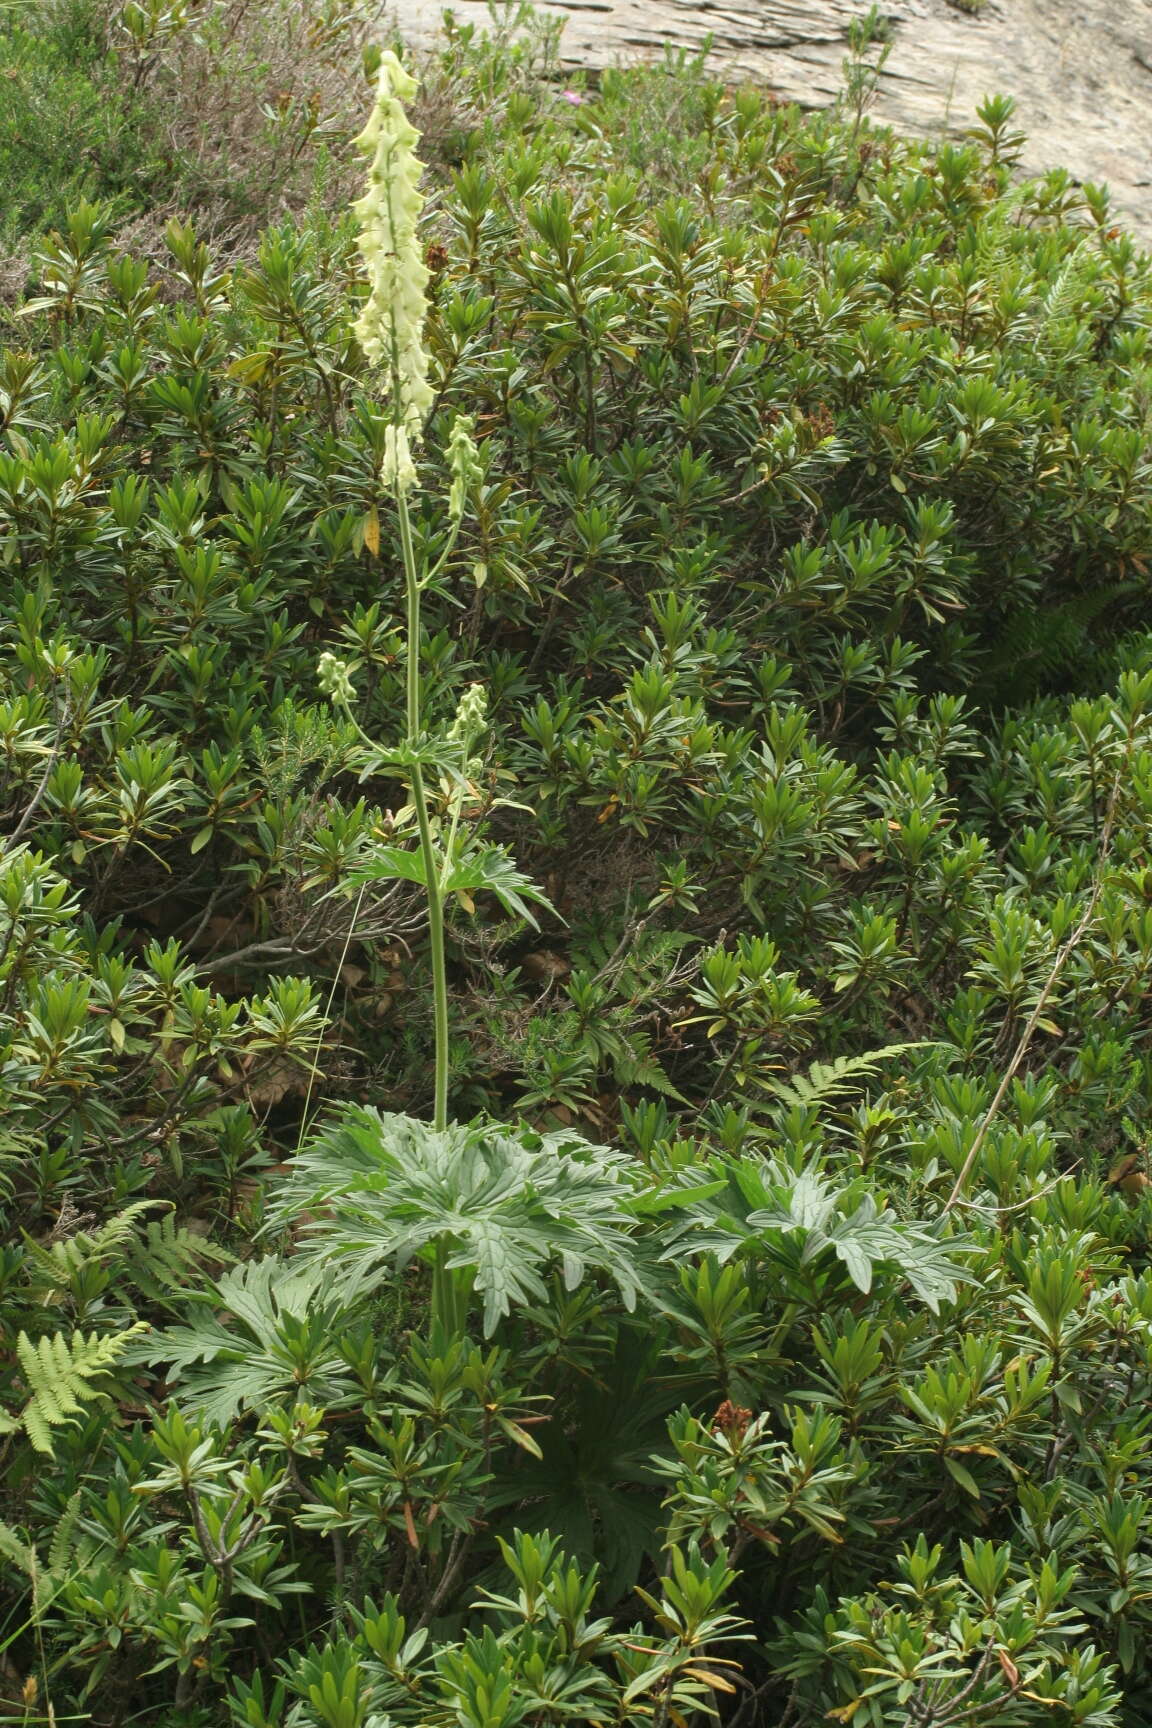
[1080, 70]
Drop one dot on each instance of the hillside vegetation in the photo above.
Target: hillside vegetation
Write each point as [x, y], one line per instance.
[729, 1297]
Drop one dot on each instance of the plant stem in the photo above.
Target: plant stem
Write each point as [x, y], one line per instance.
[449, 1306]
[436, 941]
[420, 805]
[412, 589]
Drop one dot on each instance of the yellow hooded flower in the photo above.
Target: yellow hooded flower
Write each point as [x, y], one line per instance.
[390, 328]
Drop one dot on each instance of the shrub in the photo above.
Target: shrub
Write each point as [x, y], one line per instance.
[62, 127]
[222, 111]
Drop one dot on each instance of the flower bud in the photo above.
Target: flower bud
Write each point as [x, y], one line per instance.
[334, 678]
[471, 715]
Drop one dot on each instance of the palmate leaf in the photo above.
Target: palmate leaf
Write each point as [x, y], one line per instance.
[391, 864]
[279, 1340]
[380, 1190]
[490, 870]
[796, 1219]
[861, 1239]
[485, 870]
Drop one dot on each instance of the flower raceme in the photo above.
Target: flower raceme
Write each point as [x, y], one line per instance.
[390, 326]
[335, 678]
[464, 464]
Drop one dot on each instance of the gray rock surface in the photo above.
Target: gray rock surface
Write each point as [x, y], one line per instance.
[1080, 70]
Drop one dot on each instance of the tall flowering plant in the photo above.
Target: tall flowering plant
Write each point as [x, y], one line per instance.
[449, 858]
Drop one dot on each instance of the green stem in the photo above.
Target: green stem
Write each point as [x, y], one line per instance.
[449, 847]
[450, 547]
[424, 826]
[436, 942]
[449, 1295]
[412, 588]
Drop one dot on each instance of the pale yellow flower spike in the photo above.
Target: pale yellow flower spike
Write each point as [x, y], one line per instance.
[390, 328]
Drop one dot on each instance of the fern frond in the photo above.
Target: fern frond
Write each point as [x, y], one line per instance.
[1061, 298]
[828, 1080]
[15, 1550]
[1036, 644]
[60, 1263]
[61, 1373]
[635, 1065]
[62, 1547]
[165, 1255]
[62, 1551]
[121, 1229]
